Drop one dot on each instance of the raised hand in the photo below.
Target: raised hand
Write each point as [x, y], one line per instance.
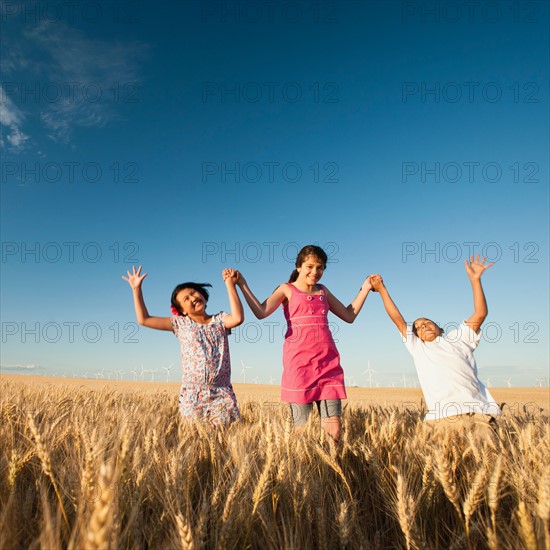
[230, 274]
[135, 278]
[240, 279]
[475, 268]
[376, 282]
[367, 284]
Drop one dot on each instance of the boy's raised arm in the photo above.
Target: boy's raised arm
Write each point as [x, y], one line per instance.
[474, 270]
[394, 314]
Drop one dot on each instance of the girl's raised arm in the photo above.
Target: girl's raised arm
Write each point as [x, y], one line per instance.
[349, 314]
[135, 278]
[268, 306]
[236, 317]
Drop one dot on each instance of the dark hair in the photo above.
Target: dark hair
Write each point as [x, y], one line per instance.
[199, 287]
[309, 250]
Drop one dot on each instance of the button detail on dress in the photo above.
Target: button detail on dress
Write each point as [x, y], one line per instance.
[310, 297]
[323, 311]
[321, 298]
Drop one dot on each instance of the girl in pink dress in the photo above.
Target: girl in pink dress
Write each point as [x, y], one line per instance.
[206, 392]
[312, 372]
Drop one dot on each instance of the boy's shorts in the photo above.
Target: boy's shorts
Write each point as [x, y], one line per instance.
[327, 408]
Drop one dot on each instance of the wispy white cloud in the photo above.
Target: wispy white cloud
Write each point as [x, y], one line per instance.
[66, 80]
[11, 119]
[21, 367]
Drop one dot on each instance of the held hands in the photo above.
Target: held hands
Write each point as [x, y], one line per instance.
[367, 284]
[135, 278]
[230, 276]
[376, 282]
[475, 268]
[235, 276]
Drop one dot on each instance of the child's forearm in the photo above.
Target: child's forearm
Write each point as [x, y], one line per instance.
[235, 304]
[392, 310]
[355, 307]
[480, 304]
[139, 304]
[252, 301]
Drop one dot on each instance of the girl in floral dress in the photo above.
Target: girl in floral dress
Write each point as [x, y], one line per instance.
[206, 391]
[311, 363]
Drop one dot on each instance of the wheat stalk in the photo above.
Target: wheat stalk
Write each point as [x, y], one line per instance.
[446, 479]
[46, 462]
[543, 504]
[98, 536]
[474, 497]
[185, 534]
[264, 477]
[526, 527]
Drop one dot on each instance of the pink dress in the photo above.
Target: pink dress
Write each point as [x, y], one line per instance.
[311, 362]
[206, 391]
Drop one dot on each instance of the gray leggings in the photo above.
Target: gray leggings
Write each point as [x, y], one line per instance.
[327, 407]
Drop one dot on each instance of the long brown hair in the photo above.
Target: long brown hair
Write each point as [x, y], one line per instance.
[309, 250]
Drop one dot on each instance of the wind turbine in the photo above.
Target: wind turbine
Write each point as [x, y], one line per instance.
[488, 382]
[141, 372]
[508, 382]
[404, 380]
[168, 369]
[152, 373]
[350, 381]
[271, 380]
[369, 371]
[255, 380]
[134, 372]
[243, 371]
[99, 375]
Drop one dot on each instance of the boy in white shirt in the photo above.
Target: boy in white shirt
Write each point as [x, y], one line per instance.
[445, 365]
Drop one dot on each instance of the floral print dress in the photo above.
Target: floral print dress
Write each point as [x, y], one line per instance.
[206, 392]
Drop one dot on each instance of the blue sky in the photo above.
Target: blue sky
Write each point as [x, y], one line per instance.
[190, 136]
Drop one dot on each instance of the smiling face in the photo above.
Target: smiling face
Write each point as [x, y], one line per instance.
[426, 329]
[191, 301]
[311, 270]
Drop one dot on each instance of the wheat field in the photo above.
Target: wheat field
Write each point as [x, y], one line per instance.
[84, 466]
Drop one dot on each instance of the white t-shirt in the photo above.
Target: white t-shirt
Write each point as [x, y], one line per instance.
[447, 372]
